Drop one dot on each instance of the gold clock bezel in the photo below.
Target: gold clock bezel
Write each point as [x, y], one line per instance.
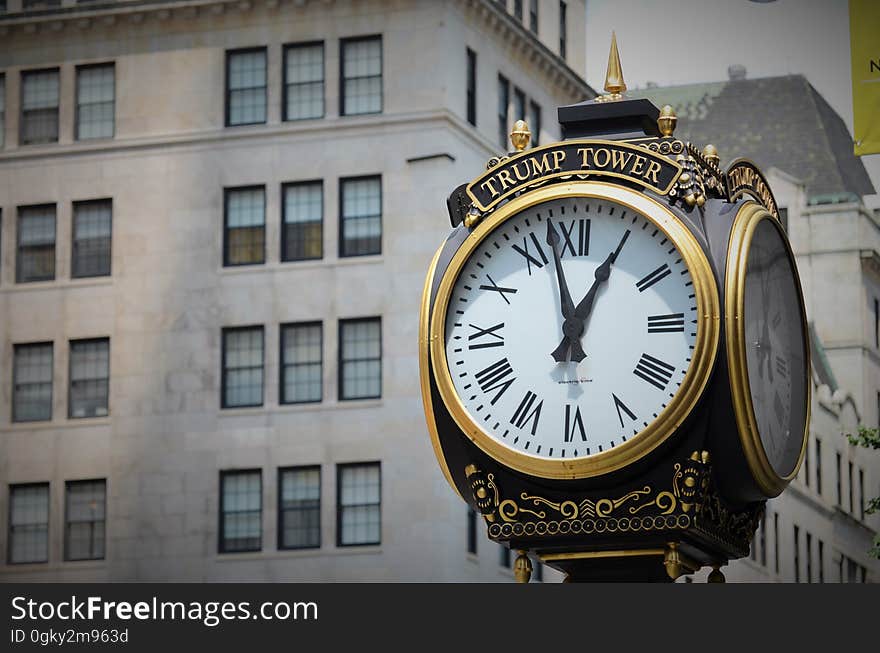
[678, 408]
[745, 223]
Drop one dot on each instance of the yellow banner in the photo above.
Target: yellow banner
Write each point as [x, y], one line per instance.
[864, 31]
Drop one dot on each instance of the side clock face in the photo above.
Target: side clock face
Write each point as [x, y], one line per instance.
[772, 343]
[572, 334]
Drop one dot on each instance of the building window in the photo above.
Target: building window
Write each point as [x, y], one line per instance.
[763, 539]
[95, 101]
[776, 542]
[242, 367]
[246, 87]
[821, 561]
[783, 218]
[519, 104]
[301, 363]
[303, 217]
[39, 107]
[504, 556]
[533, 16]
[89, 378]
[518, 9]
[818, 466]
[797, 555]
[92, 230]
[361, 61]
[839, 480]
[2, 109]
[807, 465]
[241, 511]
[862, 494]
[360, 232]
[36, 243]
[304, 81]
[849, 487]
[503, 102]
[40, 4]
[84, 525]
[535, 123]
[809, 550]
[28, 523]
[471, 87]
[471, 530]
[360, 358]
[244, 237]
[359, 504]
[299, 508]
[32, 382]
[537, 570]
[563, 29]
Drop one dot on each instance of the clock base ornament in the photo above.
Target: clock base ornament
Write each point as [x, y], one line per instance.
[613, 350]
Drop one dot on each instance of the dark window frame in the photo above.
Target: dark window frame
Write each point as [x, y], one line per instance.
[9, 489]
[73, 242]
[797, 554]
[282, 365]
[21, 112]
[342, 79]
[67, 522]
[285, 256]
[76, 134]
[471, 531]
[280, 509]
[533, 16]
[227, 191]
[341, 209]
[520, 104]
[221, 522]
[518, 9]
[503, 118]
[471, 86]
[818, 466]
[228, 91]
[41, 343]
[70, 344]
[339, 468]
[18, 245]
[535, 125]
[340, 360]
[287, 47]
[563, 29]
[223, 399]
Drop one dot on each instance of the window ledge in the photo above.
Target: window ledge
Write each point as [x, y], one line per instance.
[281, 554]
[291, 266]
[67, 565]
[57, 284]
[48, 425]
[301, 408]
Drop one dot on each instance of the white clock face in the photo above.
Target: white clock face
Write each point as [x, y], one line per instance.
[562, 379]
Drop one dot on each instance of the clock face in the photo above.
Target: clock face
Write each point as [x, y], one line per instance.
[571, 328]
[775, 356]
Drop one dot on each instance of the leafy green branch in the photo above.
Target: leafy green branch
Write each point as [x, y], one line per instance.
[870, 439]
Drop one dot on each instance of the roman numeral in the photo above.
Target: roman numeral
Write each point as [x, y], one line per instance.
[778, 408]
[501, 290]
[492, 339]
[495, 378]
[646, 282]
[572, 422]
[583, 238]
[525, 413]
[671, 323]
[781, 366]
[529, 258]
[654, 371]
[618, 404]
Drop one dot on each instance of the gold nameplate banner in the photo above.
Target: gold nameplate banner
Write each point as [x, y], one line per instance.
[744, 178]
[587, 157]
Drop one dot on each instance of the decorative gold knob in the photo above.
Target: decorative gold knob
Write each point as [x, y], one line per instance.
[522, 568]
[711, 154]
[667, 120]
[520, 136]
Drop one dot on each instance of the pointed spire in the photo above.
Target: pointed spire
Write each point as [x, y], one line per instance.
[614, 84]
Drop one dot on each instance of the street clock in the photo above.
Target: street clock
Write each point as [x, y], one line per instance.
[613, 353]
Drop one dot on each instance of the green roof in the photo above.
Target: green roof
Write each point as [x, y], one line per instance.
[781, 122]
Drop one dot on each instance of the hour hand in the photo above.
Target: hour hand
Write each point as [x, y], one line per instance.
[564, 295]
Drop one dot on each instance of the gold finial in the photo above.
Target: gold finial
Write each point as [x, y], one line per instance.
[667, 120]
[522, 568]
[716, 575]
[614, 84]
[711, 154]
[520, 136]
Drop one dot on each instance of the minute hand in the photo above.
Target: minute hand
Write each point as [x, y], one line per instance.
[584, 307]
[564, 296]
